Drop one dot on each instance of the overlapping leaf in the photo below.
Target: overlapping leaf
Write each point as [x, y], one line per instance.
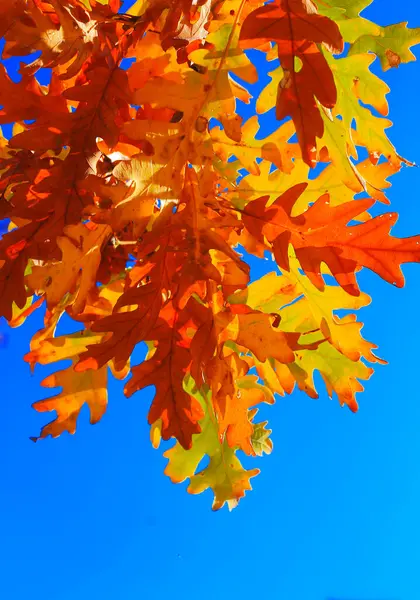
[297, 30]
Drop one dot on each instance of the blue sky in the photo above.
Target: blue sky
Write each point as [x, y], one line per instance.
[334, 512]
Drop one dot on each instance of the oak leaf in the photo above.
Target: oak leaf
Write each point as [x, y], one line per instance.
[297, 29]
[224, 473]
[321, 234]
[78, 389]
[391, 44]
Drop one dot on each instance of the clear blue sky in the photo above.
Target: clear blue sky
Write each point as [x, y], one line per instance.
[334, 513]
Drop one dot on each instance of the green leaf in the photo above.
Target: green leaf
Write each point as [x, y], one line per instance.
[392, 45]
[351, 8]
[224, 473]
[346, 14]
[260, 438]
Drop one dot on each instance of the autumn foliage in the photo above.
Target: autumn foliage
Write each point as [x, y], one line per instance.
[134, 191]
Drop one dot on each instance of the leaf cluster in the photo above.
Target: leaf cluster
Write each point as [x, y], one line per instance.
[133, 190]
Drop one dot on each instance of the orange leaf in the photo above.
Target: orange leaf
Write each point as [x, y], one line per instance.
[322, 235]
